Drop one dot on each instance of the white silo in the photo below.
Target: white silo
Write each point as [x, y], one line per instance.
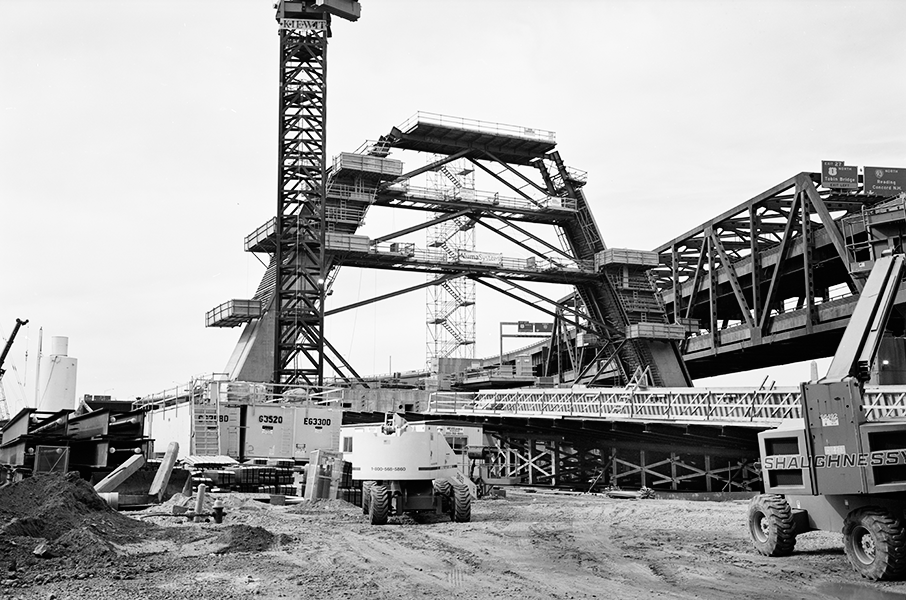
[57, 385]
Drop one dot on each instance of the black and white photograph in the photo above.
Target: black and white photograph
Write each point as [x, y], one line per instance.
[461, 299]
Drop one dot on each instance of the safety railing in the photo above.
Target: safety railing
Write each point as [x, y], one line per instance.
[885, 403]
[479, 126]
[687, 405]
[546, 203]
[438, 255]
[262, 233]
[342, 191]
[498, 372]
[214, 388]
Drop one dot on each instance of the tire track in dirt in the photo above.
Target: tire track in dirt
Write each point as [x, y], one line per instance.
[531, 546]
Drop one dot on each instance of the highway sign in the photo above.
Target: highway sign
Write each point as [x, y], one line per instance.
[528, 327]
[836, 175]
[883, 181]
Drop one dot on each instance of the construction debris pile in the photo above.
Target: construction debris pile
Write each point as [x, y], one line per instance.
[275, 477]
[284, 477]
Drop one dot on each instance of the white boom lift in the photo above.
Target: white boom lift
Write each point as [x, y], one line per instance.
[406, 468]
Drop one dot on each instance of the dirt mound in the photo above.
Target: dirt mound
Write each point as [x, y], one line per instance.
[245, 538]
[86, 542]
[65, 510]
[49, 505]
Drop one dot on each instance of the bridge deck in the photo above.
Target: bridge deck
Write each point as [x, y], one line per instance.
[713, 406]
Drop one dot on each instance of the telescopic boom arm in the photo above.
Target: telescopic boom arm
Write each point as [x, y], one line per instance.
[9, 344]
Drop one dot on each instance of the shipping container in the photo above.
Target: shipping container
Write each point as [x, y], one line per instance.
[288, 431]
[200, 428]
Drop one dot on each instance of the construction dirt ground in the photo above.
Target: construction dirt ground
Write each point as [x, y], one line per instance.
[530, 544]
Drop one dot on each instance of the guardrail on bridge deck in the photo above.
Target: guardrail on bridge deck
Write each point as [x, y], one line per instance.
[718, 406]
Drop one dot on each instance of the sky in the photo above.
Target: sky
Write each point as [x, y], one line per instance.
[138, 147]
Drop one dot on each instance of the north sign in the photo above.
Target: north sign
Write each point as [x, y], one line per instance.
[837, 176]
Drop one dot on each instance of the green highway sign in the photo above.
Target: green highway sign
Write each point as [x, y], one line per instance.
[835, 175]
[884, 181]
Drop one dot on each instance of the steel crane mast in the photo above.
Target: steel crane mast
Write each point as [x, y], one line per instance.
[301, 269]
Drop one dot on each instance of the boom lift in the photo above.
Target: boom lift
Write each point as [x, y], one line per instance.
[843, 467]
[406, 468]
[4, 410]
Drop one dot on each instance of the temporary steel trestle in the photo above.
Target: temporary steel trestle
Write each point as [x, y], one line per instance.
[668, 439]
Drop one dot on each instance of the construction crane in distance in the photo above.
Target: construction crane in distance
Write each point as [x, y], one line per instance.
[4, 410]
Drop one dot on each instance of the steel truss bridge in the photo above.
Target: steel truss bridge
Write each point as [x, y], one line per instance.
[774, 280]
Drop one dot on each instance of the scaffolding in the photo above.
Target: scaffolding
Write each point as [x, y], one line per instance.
[450, 306]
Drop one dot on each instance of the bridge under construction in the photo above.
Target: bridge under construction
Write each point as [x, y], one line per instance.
[606, 391]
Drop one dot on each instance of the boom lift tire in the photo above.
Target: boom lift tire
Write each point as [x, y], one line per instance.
[442, 487]
[379, 507]
[462, 504]
[366, 496]
[875, 543]
[771, 525]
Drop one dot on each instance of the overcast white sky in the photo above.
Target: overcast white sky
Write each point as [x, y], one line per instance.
[138, 145]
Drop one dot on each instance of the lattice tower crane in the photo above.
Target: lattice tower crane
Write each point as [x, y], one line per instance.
[301, 269]
[4, 409]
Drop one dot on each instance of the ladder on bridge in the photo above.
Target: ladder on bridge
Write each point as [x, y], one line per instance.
[641, 378]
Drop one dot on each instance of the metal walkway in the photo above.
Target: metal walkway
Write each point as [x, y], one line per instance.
[712, 406]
